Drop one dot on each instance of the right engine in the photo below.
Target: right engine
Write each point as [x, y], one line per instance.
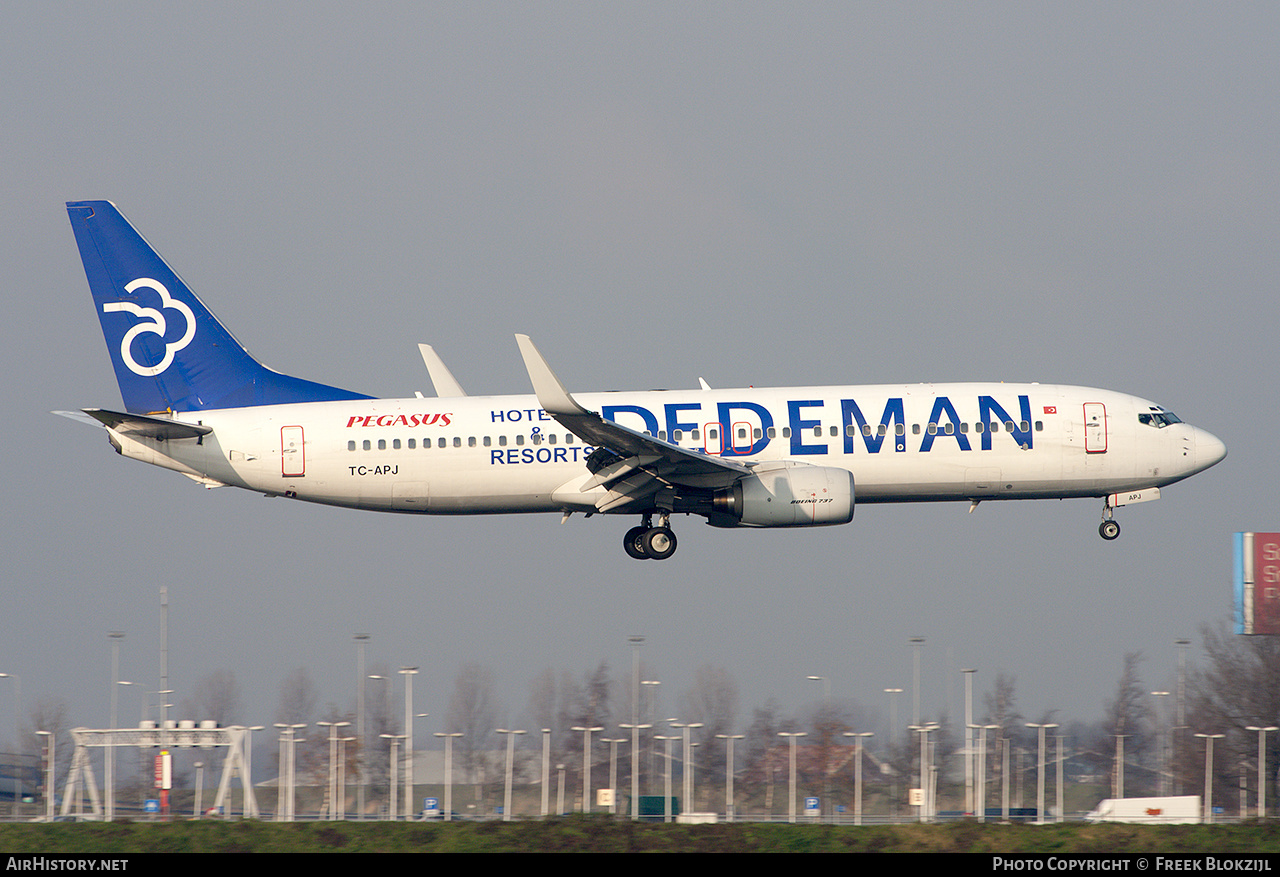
[791, 495]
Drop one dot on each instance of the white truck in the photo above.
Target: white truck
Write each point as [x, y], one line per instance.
[1151, 811]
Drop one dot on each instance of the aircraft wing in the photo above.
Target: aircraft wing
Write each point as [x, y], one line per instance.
[644, 463]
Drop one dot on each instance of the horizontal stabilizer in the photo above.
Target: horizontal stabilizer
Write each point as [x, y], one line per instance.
[140, 425]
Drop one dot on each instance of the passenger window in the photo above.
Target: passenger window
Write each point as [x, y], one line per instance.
[413, 443]
[351, 445]
[900, 429]
[441, 442]
[933, 429]
[676, 435]
[519, 439]
[1039, 426]
[786, 432]
[915, 429]
[395, 444]
[502, 441]
[487, 441]
[382, 444]
[568, 438]
[366, 444]
[866, 429]
[457, 441]
[756, 432]
[471, 441]
[551, 438]
[1024, 426]
[1008, 426]
[773, 432]
[950, 429]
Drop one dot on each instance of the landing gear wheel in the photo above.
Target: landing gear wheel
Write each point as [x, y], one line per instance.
[633, 543]
[659, 543]
[1108, 530]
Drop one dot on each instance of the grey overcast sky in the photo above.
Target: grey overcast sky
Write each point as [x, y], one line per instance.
[755, 193]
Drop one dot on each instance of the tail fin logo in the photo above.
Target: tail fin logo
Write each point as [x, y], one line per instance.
[154, 323]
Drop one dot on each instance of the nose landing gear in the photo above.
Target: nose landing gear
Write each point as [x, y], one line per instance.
[648, 542]
[1108, 529]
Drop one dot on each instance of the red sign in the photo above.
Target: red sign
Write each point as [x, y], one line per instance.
[1266, 583]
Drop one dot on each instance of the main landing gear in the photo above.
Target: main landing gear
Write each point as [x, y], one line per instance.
[648, 542]
[1108, 529]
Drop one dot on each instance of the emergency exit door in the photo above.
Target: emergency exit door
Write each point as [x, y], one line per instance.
[1095, 428]
[293, 458]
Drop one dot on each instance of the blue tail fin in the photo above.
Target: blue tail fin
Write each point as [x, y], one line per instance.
[169, 352]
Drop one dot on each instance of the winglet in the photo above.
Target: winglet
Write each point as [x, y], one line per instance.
[445, 383]
[552, 395]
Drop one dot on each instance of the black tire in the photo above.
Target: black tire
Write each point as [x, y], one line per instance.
[659, 543]
[1108, 530]
[633, 543]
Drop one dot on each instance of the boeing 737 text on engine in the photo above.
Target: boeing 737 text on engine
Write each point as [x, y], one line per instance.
[196, 402]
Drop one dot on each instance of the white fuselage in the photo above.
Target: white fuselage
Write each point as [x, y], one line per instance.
[499, 454]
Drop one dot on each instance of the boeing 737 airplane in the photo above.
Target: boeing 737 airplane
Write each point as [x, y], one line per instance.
[196, 402]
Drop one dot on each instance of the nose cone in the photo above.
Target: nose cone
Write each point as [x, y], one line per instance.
[1209, 449]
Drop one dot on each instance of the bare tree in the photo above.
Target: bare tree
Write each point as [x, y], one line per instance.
[1238, 686]
[216, 697]
[50, 714]
[471, 712]
[713, 702]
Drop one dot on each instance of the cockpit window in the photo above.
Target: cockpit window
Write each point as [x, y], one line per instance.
[1158, 418]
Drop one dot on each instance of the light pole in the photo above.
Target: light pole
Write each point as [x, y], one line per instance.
[48, 783]
[586, 763]
[916, 642]
[825, 741]
[857, 772]
[651, 687]
[636, 643]
[1262, 765]
[728, 774]
[408, 673]
[1163, 769]
[560, 794]
[334, 792]
[613, 771]
[926, 770]
[288, 743]
[1118, 791]
[511, 761]
[1208, 774]
[635, 766]
[968, 738]
[1040, 771]
[393, 778]
[891, 737]
[448, 772]
[666, 807]
[109, 768]
[361, 639]
[686, 772]
[546, 771]
[791, 787]
[981, 797]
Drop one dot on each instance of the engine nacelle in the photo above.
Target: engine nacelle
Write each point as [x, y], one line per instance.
[791, 495]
